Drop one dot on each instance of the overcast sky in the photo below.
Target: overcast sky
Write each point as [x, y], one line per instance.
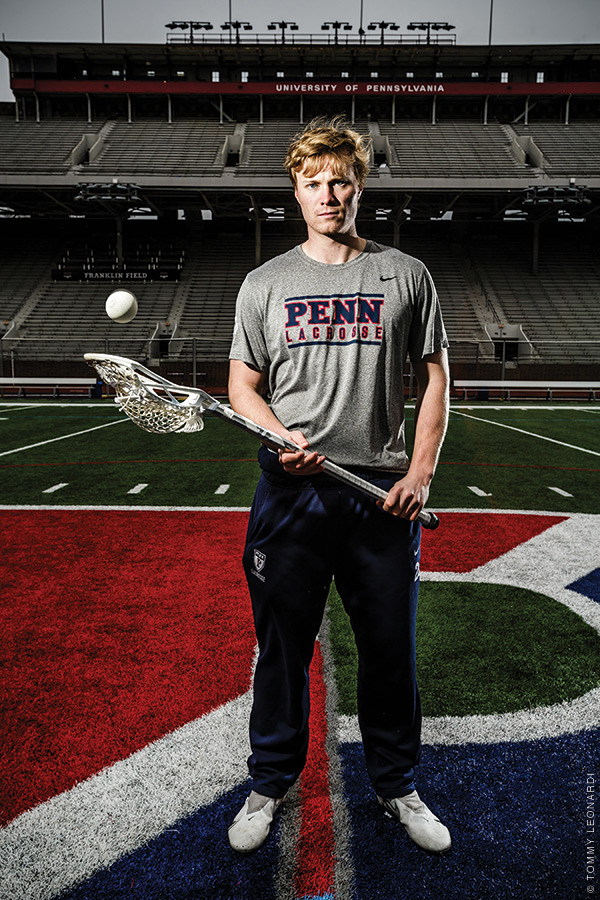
[143, 21]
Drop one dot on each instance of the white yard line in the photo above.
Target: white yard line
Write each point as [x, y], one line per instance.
[51, 404]
[8, 407]
[222, 489]
[56, 487]
[477, 491]
[560, 491]
[138, 488]
[542, 437]
[160, 509]
[63, 437]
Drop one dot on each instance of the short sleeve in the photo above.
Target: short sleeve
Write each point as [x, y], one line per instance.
[427, 331]
[248, 343]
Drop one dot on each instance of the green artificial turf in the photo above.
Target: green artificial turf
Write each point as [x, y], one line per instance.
[483, 649]
[515, 470]
[99, 467]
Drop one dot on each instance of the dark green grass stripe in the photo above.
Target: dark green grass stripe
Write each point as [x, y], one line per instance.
[483, 649]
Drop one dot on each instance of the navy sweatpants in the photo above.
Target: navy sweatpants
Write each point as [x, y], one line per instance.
[301, 534]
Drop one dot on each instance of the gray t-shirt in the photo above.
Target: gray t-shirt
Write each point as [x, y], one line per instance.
[334, 339]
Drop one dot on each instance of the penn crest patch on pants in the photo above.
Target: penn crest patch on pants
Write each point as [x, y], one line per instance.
[259, 564]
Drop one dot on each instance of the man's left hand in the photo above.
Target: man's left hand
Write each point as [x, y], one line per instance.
[407, 497]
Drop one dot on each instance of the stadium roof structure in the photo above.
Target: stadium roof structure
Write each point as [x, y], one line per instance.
[472, 131]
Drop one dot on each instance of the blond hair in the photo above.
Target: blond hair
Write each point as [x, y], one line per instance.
[331, 141]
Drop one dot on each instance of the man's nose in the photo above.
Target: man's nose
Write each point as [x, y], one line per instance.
[328, 194]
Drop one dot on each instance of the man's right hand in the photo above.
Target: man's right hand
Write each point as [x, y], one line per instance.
[301, 463]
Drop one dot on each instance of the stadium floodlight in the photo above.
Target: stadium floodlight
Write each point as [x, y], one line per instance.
[382, 27]
[336, 26]
[113, 192]
[542, 196]
[237, 27]
[190, 25]
[429, 27]
[273, 26]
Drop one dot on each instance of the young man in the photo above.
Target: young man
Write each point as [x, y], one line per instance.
[324, 331]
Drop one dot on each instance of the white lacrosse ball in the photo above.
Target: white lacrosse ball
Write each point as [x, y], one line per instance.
[122, 306]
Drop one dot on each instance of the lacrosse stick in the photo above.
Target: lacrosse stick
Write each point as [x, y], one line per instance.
[162, 407]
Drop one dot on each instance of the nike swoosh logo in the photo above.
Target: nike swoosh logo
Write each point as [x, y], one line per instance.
[389, 278]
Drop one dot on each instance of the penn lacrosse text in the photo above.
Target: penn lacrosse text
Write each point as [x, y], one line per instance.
[345, 319]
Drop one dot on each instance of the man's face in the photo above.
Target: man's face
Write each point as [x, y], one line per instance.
[329, 199]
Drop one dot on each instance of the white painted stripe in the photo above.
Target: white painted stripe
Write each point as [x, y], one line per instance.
[124, 806]
[344, 872]
[11, 408]
[560, 491]
[222, 489]
[63, 437]
[529, 724]
[138, 488]
[476, 490]
[457, 404]
[223, 509]
[55, 487]
[536, 407]
[123, 508]
[53, 404]
[542, 437]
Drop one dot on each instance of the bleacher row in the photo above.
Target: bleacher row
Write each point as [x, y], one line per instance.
[198, 147]
[454, 149]
[475, 280]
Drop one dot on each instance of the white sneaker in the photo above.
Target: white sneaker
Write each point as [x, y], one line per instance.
[249, 830]
[421, 825]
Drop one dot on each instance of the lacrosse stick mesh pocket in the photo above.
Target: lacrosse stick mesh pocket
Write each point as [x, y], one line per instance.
[159, 416]
[155, 414]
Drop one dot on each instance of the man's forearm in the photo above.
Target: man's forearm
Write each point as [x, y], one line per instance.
[429, 436]
[248, 403]
[431, 415]
[246, 397]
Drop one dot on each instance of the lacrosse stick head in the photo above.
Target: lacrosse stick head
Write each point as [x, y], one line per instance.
[150, 401]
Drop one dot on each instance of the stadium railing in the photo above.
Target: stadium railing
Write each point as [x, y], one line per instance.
[574, 365]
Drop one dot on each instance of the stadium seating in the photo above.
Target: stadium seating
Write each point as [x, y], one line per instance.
[455, 148]
[265, 146]
[151, 146]
[40, 147]
[558, 304]
[480, 280]
[210, 288]
[70, 319]
[570, 150]
[197, 146]
[489, 278]
[22, 272]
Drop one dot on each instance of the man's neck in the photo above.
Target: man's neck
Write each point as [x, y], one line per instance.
[333, 250]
